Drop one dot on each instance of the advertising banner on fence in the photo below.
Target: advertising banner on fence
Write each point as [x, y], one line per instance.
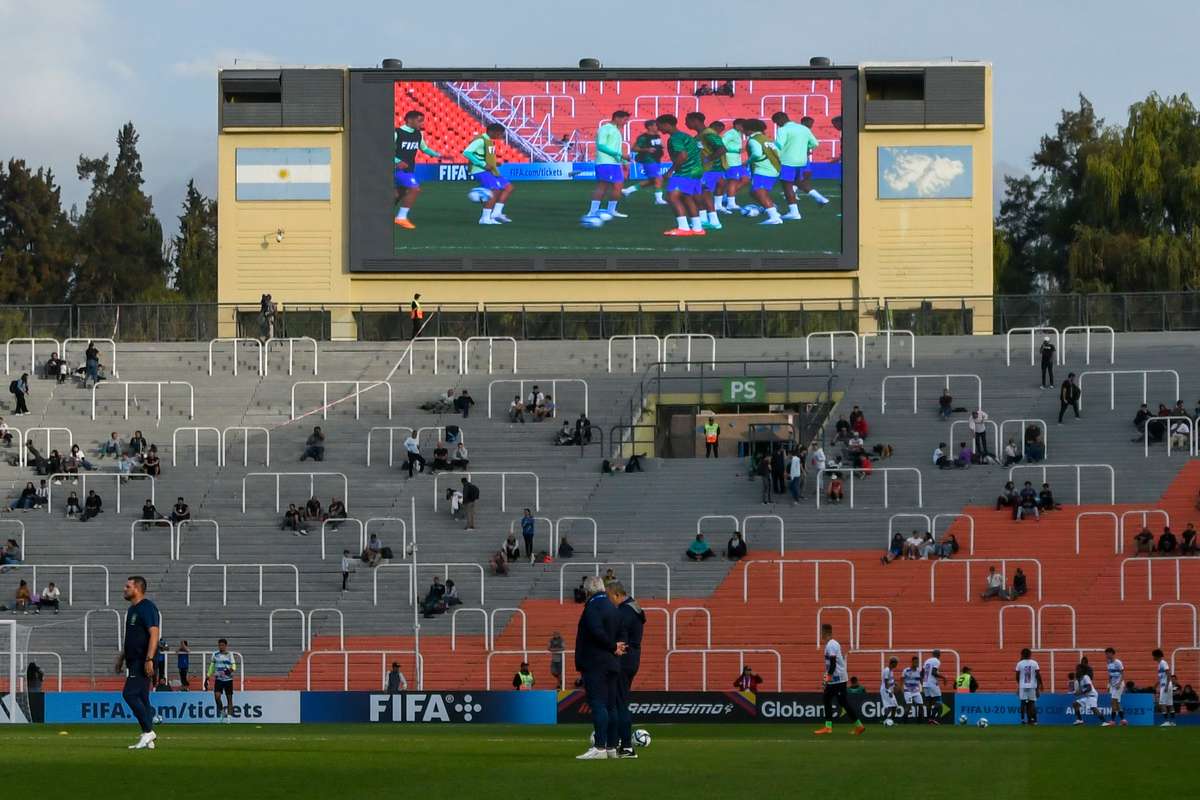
[668, 707]
[526, 708]
[810, 707]
[173, 707]
[1053, 709]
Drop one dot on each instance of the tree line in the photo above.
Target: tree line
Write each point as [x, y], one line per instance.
[112, 252]
[1108, 208]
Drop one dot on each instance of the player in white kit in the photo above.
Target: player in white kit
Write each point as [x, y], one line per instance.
[912, 686]
[887, 690]
[1085, 697]
[933, 679]
[1116, 688]
[1165, 691]
[1029, 686]
[835, 681]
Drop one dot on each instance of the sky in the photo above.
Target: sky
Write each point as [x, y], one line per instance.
[75, 70]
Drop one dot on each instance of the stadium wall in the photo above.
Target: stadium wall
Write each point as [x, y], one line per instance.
[905, 247]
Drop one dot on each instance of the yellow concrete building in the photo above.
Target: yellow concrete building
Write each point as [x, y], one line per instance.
[908, 237]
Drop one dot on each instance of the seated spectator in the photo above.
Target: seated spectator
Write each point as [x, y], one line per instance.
[965, 454]
[77, 455]
[314, 445]
[865, 465]
[856, 445]
[43, 494]
[23, 598]
[580, 592]
[1046, 499]
[835, 489]
[1020, 584]
[699, 550]
[1167, 543]
[1144, 541]
[1181, 434]
[150, 464]
[453, 434]
[535, 399]
[1140, 419]
[947, 547]
[455, 498]
[442, 404]
[180, 512]
[336, 510]
[565, 549]
[912, 546]
[841, 431]
[735, 550]
[137, 445]
[5, 433]
[1008, 498]
[26, 500]
[451, 598]
[928, 546]
[583, 430]
[149, 512]
[124, 467]
[855, 687]
[441, 458]
[313, 510]
[1011, 455]
[55, 465]
[565, 436]
[73, 506]
[93, 506]
[516, 410]
[49, 598]
[458, 459]
[895, 549]
[510, 548]
[434, 602]
[939, 457]
[291, 519]
[1188, 547]
[1027, 503]
[56, 368]
[1187, 698]
[498, 563]
[748, 681]
[634, 463]
[113, 446]
[10, 555]
[463, 403]
[858, 422]
[372, 555]
[945, 404]
[1179, 410]
[1035, 451]
[546, 409]
[995, 586]
[70, 464]
[609, 576]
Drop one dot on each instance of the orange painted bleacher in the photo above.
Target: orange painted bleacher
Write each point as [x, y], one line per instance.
[449, 128]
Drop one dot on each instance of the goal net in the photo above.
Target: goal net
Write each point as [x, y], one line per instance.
[14, 696]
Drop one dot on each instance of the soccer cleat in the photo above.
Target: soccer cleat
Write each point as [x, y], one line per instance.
[700, 232]
[501, 218]
[790, 215]
[1077, 722]
[1124, 723]
[858, 730]
[405, 223]
[488, 222]
[1108, 724]
[822, 731]
[724, 210]
[1166, 724]
[770, 221]
[661, 203]
[145, 741]
[619, 215]
[591, 754]
[626, 752]
[677, 232]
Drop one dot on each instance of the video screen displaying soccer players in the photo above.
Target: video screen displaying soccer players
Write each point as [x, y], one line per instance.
[720, 167]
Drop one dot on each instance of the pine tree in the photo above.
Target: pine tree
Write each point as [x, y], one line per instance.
[36, 238]
[194, 250]
[120, 239]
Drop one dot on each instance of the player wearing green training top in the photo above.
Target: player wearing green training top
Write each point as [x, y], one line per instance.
[795, 143]
[805, 182]
[610, 173]
[736, 174]
[711, 153]
[682, 177]
[408, 140]
[648, 148]
[481, 153]
[764, 163]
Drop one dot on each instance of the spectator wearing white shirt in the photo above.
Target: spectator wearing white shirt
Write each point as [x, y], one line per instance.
[978, 425]
[49, 598]
[396, 682]
[818, 459]
[939, 457]
[413, 449]
[995, 586]
[795, 475]
[516, 410]
[347, 568]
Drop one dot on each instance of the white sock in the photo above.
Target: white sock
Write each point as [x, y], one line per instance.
[696, 224]
[593, 208]
[772, 212]
[497, 210]
[719, 201]
[820, 198]
[628, 190]
[714, 219]
[487, 214]
[731, 202]
[402, 213]
[612, 206]
[793, 208]
[681, 223]
[658, 198]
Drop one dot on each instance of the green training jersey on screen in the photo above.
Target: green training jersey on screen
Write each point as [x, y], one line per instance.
[481, 153]
[795, 142]
[691, 166]
[650, 141]
[731, 140]
[608, 144]
[764, 160]
[710, 149]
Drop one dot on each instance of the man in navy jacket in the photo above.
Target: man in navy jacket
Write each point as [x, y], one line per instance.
[597, 658]
[632, 619]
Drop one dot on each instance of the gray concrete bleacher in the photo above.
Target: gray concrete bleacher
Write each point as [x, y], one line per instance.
[647, 517]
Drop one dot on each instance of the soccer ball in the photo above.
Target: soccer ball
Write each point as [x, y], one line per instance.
[479, 195]
[889, 722]
[962, 720]
[751, 211]
[591, 221]
[605, 216]
[983, 723]
[641, 737]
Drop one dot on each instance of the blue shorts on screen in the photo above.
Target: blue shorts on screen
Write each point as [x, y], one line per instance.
[792, 173]
[677, 183]
[609, 173]
[405, 179]
[736, 173]
[711, 179]
[489, 181]
[651, 169]
[763, 182]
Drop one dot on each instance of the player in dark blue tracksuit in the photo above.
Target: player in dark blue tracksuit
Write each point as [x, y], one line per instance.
[597, 651]
[632, 620]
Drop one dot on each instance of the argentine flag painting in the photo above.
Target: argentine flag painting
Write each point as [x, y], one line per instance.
[283, 173]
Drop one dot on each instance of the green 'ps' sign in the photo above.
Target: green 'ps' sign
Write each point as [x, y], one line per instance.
[744, 390]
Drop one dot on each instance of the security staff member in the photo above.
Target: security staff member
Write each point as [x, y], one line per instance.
[712, 433]
[416, 314]
[633, 619]
[965, 682]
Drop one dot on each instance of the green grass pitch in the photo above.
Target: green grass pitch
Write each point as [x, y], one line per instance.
[546, 222]
[752, 762]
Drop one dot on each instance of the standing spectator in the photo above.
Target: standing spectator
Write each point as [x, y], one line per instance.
[463, 403]
[396, 682]
[413, 450]
[137, 445]
[470, 498]
[183, 662]
[49, 598]
[34, 676]
[1047, 352]
[416, 315]
[347, 568]
[92, 506]
[945, 404]
[764, 475]
[556, 648]
[523, 680]
[267, 311]
[20, 390]
[778, 472]
[978, 425]
[712, 437]
[748, 681]
[23, 598]
[91, 363]
[527, 528]
[796, 476]
[818, 460]
[1068, 397]
[314, 446]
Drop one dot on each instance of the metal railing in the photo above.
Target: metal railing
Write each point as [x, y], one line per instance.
[858, 626]
[704, 653]
[515, 613]
[189, 523]
[236, 341]
[782, 562]
[32, 351]
[524, 654]
[537, 486]
[673, 625]
[291, 346]
[83, 476]
[491, 345]
[1041, 623]
[410, 352]
[595, 533]
[967, 562]
[23, 456]
[1033, 622]
[271, 627]
[633, 339]
[154, 523]
[225, 578]
[1150, 562]
[1087, 331]
[454, 626]
[539, 382]
[362, 536]
[1169, 434]
[1145, 513]
[415, 432]
[158, 385]
[383, 668]
[688, 338]
[312, 484]
[916, 378]
[1194, 627]
[887, 334]
[359, 391]
[1112, 382]
[832, 351]
[1020, 423]
[633, 565]
[1112, 476]
[245, 429]
[1033, 332]
[70, 568]
[849, 621]
[412, 580]
[1118, 544]
[341, 626]
[884, 470]
[196, 431]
